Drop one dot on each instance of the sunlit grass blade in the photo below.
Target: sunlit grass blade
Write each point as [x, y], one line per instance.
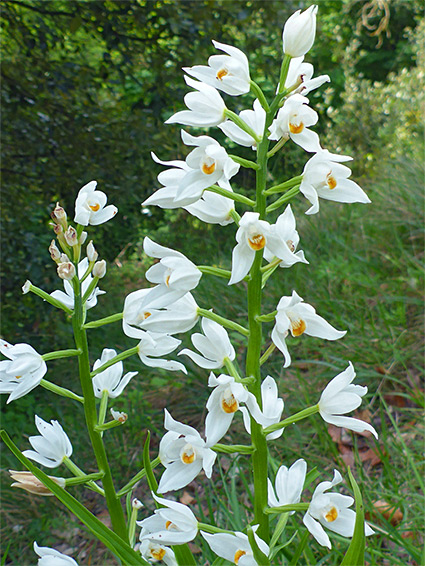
[355, 553]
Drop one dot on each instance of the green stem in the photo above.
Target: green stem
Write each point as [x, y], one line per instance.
[287, 508]
[114, 505]
[140, 475]
[242, 124]
[277, 146]
[284, 198]
[126, 354]
[255, 89]
[232, 196]
[244, 162]
[103, 321]
[78, 473]
[61, 391]
[233, 449]
[284, 73]
[217, 271]
[85, 478]
[236, 217]
[294, 419]
[46, 297]
[269, 317]
[90, 289]
[211, 529]
[102, 410]
[107, 426]
[274, 263]
[88, 271]
[232, 370]
[223, 321]
[267, 353]
[284, 186]
[260, 558]
[60, 354]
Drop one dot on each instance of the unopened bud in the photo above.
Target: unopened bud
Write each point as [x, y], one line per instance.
[57, 229]
[136, 504]
[66, 270]
[99, 269]
[26, 287]
[82, 238]
[71, 237]
[59, 216]
[27, 481]
[117, 416]
[54, 251]
[64, 258]
[91, 252]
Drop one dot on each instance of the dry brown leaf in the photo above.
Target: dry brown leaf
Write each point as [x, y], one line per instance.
[186, 498]
[370, 455]
[391, 513]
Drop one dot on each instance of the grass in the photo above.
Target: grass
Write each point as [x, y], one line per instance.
[365, 275]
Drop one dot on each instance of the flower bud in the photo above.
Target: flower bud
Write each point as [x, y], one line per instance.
[136, 504]
[66, 270]
[26, 287]
[99, 269]
[118, 416]
[82, 238]
[71, 237]
[59, 216]
[64, 258]
[54, 251]
[299, 32]
[27, 481]
[92, 254]
[57, 229]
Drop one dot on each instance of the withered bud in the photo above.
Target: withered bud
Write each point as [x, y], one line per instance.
[26, 287]
[71, 237]
[59, 216]
[27, 481]
[82, 238]
[99, 269]
[118, 416]
[66, 270]
[54, 251]
[92, 254]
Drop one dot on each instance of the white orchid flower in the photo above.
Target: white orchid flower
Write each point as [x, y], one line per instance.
[174, 272]
[255, 119]
[152, 345]
[235, 548]
[51, 447]
[90, 206]
[212, 208]
[324, 176]
[251, 237]
[172, 524]
[222, 405]
[341, 396]
[180, 316]
[299, 32]
[209, 164]
[184, 454]
[283, 239]
[206, 107]
[272, 408]
[171, 179]
[293, 120]
[331, 510]
[300, 77]
[229, 73]
[214, 346]
[289, 485]
[51, 557]
[111, 379]
[155, 552]
[67, 298]
[297, 317]
[23, 372]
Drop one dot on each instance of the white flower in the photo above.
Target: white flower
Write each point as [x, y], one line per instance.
[289, 485]
[140, 305]
[172, 524]
[255, 119]
[209, 164]
[235, 548]
[297, 317]
[174, 272]
[90, 206]
[282, 240]
[111, 379]
[155, 552]
[51, 557]
[67, 298]
[229, 73]
[251, 237]
[340, 396]
[152, 345]
[212, 208]
[180, 316]
[272, 407]
[171, 179]
[293, 120]
[206, 107]
[222, 405]
[324, 176]
[23, 372]
[215, 346]
[299, 32]
[51, 447]
[300, 77]
[331, 509]
[184, 454]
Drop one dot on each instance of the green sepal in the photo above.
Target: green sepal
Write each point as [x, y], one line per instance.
[110, 539]
[260, 557]
[355, 553]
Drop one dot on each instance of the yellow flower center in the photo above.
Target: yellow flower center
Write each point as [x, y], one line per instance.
[331, 181]
[208, 169]
[167, 280]
[296, 128]
[222, 73]
[18, 376]
[146, 315]
[188, 455]
[238, 555]
[228, 403]
[257, 242]
[157, 553]
[298, 326]
[94, 207]
[169, 525]
[290, 245]
[331, 515]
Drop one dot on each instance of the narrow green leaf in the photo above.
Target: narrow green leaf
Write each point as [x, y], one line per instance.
[110, 539]
[356, 550]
